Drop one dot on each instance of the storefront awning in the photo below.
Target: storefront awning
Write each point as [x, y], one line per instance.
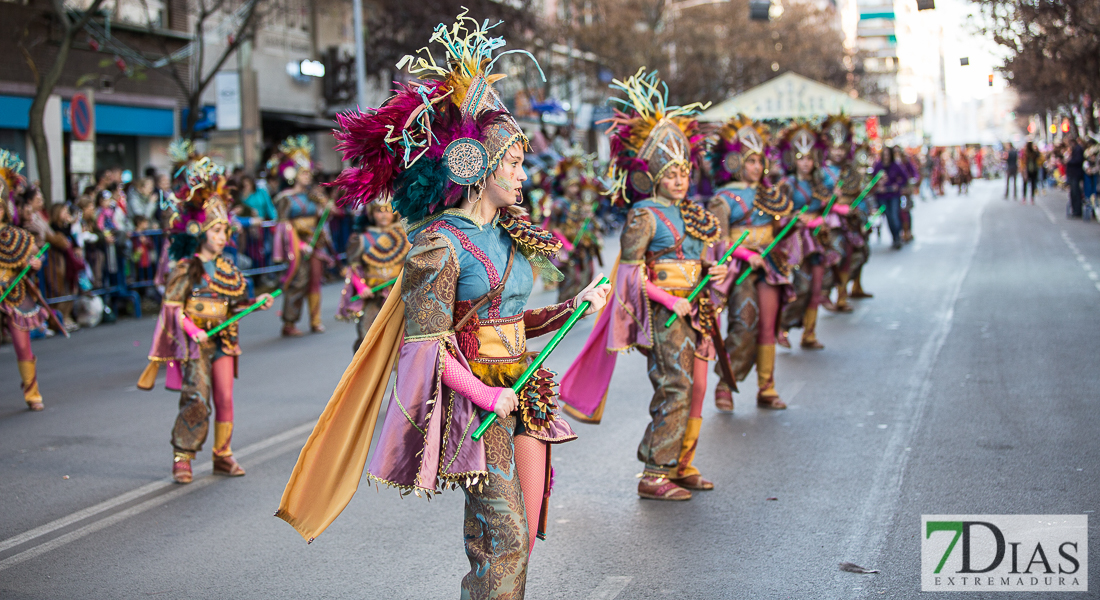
[791, 96]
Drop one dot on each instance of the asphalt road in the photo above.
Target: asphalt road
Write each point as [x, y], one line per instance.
[968, 385]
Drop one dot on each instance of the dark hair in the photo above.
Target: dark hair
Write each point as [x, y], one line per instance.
[184, 245]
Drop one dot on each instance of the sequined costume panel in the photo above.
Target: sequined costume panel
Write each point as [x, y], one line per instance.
[19, 309]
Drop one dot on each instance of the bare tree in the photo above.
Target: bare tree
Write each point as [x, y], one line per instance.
[232, 18]
[1054, 50]
[70, 22]
[710, 51]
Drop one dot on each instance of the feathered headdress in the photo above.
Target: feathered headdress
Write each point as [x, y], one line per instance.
[738, 139]
[837, 132]
[799, 139]
[435, 137]
[197, 200]
[295, 154]
[10, 166]
[648, 136]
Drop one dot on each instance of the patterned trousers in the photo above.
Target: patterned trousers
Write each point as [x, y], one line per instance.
[495, 527]
[671, 362]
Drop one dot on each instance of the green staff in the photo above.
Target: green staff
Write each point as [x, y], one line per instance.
[23, 273]
[320, 226]
[541, 358]
[878, 212]
[580, 233]
[237, 317]
[829, 206]
[706, 280]
[867, 189]
[374, 290]
[782, 233]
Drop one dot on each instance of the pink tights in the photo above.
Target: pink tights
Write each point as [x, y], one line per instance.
[223, 389]
[530, 455]
[698, 388]
[22, 342]
[768, 296]
[817, 273]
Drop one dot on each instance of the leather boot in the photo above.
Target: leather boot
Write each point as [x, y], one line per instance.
[181, 466]
[687, 476]
[224, 463]
[28, 372]
[842, 304]
[767, 397]
[315, 325]
[857, 288]
[809, 330]
[723, 397]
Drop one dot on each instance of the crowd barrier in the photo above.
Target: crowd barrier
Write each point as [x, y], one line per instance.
[124, 270]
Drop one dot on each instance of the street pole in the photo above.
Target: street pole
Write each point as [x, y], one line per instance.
[360, 55]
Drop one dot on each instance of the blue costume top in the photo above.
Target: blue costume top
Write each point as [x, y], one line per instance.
[484, 262]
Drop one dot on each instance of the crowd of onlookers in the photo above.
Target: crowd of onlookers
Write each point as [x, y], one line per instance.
[108, 237]
[1073, 163]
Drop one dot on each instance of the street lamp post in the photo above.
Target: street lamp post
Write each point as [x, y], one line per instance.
[360, 55]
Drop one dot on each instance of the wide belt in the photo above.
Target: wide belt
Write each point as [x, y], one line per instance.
[759, 236]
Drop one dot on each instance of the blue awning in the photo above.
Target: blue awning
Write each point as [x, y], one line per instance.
[126, 120]
[109, 118]
[14, 111]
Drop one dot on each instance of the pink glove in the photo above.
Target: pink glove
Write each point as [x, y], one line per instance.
[743, 254]
[842, 209]
[189, 326]
[456, 377]
[360, 285]
[565, 244]
[816, 222]
[660, 296]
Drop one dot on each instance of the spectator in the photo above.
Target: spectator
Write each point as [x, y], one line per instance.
[64, 263]
[258, 199]
[1033, 159]
[141, 201]
[1012, 166]
[1074, 160]
[163, 192]
[93, 238]
[893, 182]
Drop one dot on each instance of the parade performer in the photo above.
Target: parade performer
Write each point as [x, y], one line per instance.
[22, 310]
[203, 290]
[374, 257]
[663, 245]
[846, 162]
[297, 239]
[801, 155]
[573, 222]
[451, 157]
[744, 201]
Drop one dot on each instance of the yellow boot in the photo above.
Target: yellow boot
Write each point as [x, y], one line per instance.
[809, 330]
[687, 475]
[29, 374]
[842, 304]
[857, 287]
[315, 325]
[224, 463]
[767, 397]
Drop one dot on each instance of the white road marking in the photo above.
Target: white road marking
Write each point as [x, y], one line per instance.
[792, 390]
[880, 504]
[1080, 257]
[203, 478]
[610, 587]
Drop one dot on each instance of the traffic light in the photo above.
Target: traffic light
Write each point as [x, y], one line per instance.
[338, 83]
[991, 80]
